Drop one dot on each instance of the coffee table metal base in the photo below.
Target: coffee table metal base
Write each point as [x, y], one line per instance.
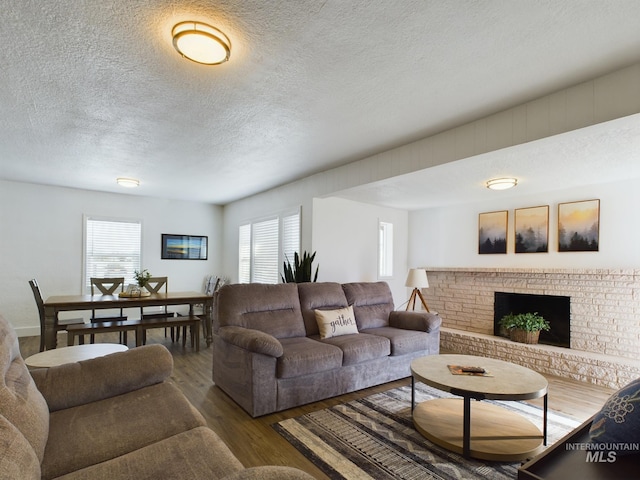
[496, 433]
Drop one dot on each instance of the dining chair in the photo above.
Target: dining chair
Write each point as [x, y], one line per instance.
[108, 286]
[157, 285]
[60, 324]
[212, 284]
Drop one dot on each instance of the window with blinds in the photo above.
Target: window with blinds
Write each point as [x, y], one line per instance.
[112, 248]
[385, 250]
[263, 245]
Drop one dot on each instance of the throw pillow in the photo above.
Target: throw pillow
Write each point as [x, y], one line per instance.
[333, 323]
[618, 422]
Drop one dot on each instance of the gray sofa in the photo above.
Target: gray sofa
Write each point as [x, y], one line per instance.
[115, 417]
[268, 355]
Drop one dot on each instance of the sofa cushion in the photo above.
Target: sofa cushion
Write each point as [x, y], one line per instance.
[17, 457]
[106, 429]
[21, 404]
[360, 348]
[273, 309]
[197, 453]
[319, 296]
[333, 323]
[619, 419]
[372, 303]
[402, 341]
[304, 356]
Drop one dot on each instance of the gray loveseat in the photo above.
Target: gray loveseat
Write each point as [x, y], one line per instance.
[268, 355]
[115, 417]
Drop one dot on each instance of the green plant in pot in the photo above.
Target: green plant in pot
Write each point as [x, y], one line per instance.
[142, 277]
[524, 327]
[301, 270]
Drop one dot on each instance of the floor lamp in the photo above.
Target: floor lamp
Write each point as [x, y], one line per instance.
[417, 279]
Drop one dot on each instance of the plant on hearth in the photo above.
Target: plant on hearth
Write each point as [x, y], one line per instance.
[301, 270]
[524, 327]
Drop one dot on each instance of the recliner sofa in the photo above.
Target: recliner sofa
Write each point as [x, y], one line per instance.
[115, 417]
[268, 355]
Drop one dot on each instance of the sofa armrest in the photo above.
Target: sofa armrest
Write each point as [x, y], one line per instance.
[79, 383]
[411, 320]
[251, 340]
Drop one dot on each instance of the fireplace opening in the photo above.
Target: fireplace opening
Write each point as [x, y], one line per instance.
[554, 308]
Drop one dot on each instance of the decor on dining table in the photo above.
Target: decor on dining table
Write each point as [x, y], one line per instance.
[532, 229]
[184, 247]
[139, 290]
[579, 226]
[142, 277]
[492, 232]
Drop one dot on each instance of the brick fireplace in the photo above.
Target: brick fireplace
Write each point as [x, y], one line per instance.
[604, 319]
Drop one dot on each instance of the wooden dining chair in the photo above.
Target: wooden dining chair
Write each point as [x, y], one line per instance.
[157, 285]
[60, 324]
[108, 286]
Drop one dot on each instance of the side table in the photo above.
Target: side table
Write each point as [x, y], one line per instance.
[75, 353]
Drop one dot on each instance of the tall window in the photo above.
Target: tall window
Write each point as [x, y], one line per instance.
[263, 245]
[112, 248]
[385, 250]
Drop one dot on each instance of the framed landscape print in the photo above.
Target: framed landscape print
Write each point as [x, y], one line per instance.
[492, 232]
[579, 226]
[184, 247]
[532, 229]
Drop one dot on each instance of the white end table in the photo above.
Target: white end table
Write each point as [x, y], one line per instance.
[75, 353]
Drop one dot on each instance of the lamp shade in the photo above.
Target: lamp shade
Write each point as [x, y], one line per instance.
[417, 278]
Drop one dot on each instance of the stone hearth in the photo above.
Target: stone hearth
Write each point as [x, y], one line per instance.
[605, 319]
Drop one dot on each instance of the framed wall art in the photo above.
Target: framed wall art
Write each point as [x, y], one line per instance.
[492, 232]
[532, 229]
[579, 226]
[184, 247]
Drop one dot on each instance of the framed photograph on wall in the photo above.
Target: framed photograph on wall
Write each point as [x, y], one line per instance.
[492, 232]
[184, 247]
[579, 226]
[532, 229]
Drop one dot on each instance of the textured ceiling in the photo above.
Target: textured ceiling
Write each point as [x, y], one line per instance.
[93, 90]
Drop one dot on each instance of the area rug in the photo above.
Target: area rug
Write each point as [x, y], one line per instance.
[374, 438]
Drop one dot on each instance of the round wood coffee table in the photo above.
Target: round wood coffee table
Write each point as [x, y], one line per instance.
[479, 429]
[75, 353]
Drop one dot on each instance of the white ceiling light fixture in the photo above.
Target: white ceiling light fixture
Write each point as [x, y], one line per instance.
[128, 182]
[502, 183]
[201, 43]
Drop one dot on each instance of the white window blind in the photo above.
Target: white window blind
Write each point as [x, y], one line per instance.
[290, 236]
[385, 250]
[265, 251]
[262, 247]
[244, 254]
[112, 248]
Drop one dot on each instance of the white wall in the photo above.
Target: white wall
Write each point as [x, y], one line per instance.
[345, 237]
[448, 237]
[41, 232]
[605, 98]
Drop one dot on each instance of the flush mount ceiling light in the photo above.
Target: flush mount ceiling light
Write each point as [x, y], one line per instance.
[201, 43]
[128, 182]
[502, 183]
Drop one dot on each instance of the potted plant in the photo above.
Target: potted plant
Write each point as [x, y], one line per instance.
[301, 269]
[524, 327]
[142, 277]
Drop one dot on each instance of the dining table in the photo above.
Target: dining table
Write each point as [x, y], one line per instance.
[67, 303]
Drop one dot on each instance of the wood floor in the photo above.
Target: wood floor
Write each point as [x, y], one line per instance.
[254, 441]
